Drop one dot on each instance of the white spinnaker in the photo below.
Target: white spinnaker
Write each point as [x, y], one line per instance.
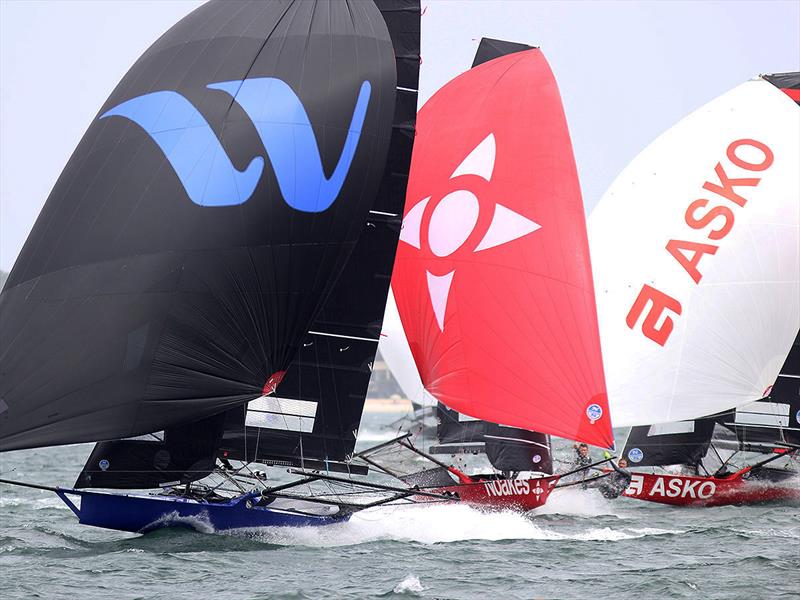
[397, 354]
[737, 324]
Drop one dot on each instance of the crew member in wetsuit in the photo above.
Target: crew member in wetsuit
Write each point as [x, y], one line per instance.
[582, 459]
[616, 483]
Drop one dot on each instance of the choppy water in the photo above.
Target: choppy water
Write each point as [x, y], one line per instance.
[578, 546]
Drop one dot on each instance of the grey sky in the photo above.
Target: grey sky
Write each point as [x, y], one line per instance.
[627, 71]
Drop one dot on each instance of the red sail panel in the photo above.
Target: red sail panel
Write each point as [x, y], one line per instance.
[492, 277]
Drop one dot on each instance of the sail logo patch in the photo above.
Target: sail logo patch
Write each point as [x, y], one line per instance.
[452, 219]
[635, 455]
[594, 412]
[206, 171]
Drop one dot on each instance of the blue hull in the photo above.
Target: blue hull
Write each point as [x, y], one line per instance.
[138, 513]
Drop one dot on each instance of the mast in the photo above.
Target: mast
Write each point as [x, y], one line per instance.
[179, 263]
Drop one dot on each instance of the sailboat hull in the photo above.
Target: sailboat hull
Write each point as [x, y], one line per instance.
[138, 513]
[685, 490]
[503, 494]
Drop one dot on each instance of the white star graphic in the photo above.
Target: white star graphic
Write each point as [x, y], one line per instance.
[455, 216]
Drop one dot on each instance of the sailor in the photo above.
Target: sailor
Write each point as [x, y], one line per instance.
[582, 459]
[614, 484]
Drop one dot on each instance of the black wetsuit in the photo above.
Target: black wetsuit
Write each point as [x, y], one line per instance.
[616, 483]
[579, 462]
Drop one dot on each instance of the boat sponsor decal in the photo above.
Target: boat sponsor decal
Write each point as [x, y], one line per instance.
[672, 487]
[104, 464]
[635, 455]
[728, 187]
[453, 218]
[797, 416]
[635, 486]
[594, 412]
[512, 487]
[203, 166]
[537, 458]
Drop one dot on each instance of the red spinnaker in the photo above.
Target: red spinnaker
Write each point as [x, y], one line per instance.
[492, 277]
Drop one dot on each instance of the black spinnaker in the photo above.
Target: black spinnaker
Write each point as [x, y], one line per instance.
[327, 382]
[200, 228]
[313, 418]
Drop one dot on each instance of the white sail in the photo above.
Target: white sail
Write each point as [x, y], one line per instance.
[696, 259]
[394, 348]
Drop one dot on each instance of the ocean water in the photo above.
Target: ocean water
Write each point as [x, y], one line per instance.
[578, 546]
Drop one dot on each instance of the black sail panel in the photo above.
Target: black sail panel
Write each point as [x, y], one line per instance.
[455, 431]
[512, 449]
[317, 409]
[506, 448]
[788, 83]
[489, 49]
[184, 453]
[681, 443]
[179, 260]
[773, 420]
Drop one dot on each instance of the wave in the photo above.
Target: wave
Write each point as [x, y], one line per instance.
[581, 503]
[409, 586]
[33, 503]
[435, 525]
[199, 523]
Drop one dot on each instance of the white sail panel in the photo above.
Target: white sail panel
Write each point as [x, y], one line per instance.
[393, 346]
[696, 259]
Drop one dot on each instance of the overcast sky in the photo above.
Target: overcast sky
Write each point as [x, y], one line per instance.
[627, 71]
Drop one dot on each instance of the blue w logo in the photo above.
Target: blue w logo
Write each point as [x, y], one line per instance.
[206, 171]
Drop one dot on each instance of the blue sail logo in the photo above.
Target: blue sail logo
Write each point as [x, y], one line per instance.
[205, 169]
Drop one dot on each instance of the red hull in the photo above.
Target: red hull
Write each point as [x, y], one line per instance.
[685, 490]
[504, 494]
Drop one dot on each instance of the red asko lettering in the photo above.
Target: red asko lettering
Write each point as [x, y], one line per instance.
[657, 326]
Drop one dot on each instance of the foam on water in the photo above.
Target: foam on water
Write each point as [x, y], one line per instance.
[36, 504]
[410, 585]
[199, 523]
[434, 524]
[578, 502]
